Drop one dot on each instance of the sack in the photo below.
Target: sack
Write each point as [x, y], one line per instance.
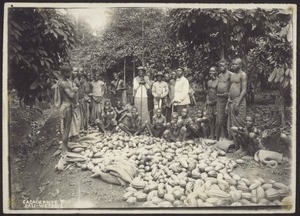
[57, 98]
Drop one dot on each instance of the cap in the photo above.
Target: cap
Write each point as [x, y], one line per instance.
[141, 68]
[159, 73]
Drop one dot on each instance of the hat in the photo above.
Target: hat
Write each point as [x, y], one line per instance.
[159, 73]
[141, 68]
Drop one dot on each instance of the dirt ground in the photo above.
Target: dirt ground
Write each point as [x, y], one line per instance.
[33, 176]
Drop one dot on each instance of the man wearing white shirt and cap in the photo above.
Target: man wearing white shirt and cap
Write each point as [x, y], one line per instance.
[181, 95]
[140, 86]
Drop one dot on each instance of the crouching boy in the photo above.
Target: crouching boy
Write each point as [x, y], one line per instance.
[133, 123]
[159, 124]
[108, 120]
[247, 139]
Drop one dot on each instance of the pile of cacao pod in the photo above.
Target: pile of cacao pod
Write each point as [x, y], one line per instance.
[179, 174]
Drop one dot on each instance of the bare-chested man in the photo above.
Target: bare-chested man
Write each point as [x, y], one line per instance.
[211, 100]
[222, 98]
[67, 94]
[236, 106]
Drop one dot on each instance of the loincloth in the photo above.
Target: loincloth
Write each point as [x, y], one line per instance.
[221, 106]
[212, 109]
[238, 120]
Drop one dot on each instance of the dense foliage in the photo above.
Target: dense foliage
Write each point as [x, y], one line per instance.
[158, 38]
[39, 40]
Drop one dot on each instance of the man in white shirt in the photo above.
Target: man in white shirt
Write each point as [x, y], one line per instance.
[181, 95]
[160, 90]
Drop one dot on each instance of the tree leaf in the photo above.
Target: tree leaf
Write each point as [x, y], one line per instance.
[34, 84]
[272, 75]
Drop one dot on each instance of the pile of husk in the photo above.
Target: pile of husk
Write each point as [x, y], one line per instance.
[173, 174]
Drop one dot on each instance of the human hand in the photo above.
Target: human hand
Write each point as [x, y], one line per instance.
[226, 109]
[235, 109]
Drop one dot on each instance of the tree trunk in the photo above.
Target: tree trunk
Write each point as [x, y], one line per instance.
[222, 52]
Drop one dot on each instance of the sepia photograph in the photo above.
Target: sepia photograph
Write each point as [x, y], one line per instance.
[149, 108]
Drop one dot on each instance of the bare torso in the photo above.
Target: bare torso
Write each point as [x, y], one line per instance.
[212, 89]
[224, 83]
[236, 85]
[65, 85]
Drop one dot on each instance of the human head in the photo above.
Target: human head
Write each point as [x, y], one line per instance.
[237, 64]
[174, 116]
[119, 103]
[159, 76]
[89, 77]
[199, 113]
[167, 77]
[173, 75]
[184, 112]
[116, 75]
[141, 71]
[250, 119]
[179, 72]
[96, 77]
[131, 100]
[222, 65]
[134, 111]
[158, 112]
[212, 72]
[65, 71]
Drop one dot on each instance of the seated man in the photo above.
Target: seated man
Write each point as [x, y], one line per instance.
[186, 124]
[202, 123]
[173, 133]
[159, 124]
[108, 119]
[247, 139]
[133, 125]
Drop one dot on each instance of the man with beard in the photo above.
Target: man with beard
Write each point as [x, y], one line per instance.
[236, 105]
[222, 98]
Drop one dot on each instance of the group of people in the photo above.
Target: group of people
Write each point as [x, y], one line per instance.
[159, 105]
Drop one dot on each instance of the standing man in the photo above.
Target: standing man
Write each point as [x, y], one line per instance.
[88, 88]
[97, 98]
[140, 87]
[222, 98]
[118, 90]
[171, 83]
[236, 105]
[211, 100]
[181, 95]
[67, 97]
[160, 90]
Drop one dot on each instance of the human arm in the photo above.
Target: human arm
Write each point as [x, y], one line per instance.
[154, 90]
[166, 90]
[121, 86]
[184, 91]
[244, 81]
[70, 92]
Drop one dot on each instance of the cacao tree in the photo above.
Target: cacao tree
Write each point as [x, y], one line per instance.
[38, 43]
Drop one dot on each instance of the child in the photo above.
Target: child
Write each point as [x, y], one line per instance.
[186, 124]
[173, 133]
[119, 109]
[133, 125]
[108, 119]
[159, 124]
[202, 123]
[211, 100]
[248, 138]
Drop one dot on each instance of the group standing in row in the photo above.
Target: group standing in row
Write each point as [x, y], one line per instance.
[160, 104]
